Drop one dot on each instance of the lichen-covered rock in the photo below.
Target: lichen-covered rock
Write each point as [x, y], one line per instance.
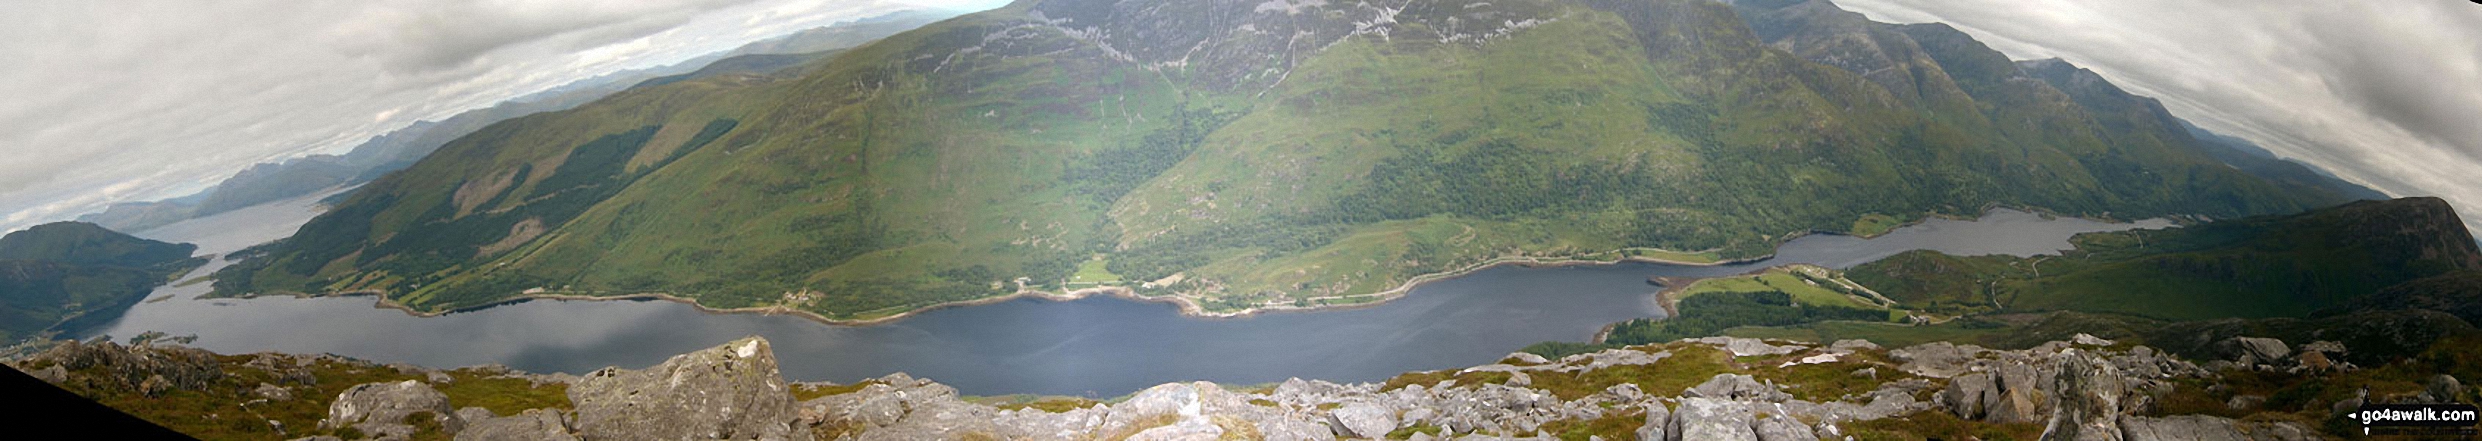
[1364, 420]
[2090, 391]
[51, 374]
[380, 409]
[1658, 418]
[273, 392]
[726, 392]
[146, 368]
[1736, 387]
[1781, 428]
[531, 425]
[1712, 419]
[1966, 395]
[2250, 351]
[1935, 359]
[1744, 347]
[2181, 428]
[2021, 397]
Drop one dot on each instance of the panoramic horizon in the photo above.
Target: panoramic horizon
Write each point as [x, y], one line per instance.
[1749, 220]
[372, 68]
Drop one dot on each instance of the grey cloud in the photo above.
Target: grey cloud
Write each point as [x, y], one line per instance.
[416, 37]
[115, 101]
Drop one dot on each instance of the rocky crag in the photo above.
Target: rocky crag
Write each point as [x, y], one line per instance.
[1715, 388]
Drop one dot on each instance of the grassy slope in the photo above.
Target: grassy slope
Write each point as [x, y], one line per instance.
[71, 274]
[950, 162]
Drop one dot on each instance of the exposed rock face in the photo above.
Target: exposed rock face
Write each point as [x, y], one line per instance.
[1782, 428]
[380, 409]
[727, 392]
[2209, 428]
[1364, 420]
[1658, 419]
[2254, 350]
[1744, 347]
[147, 368]
[273, 392]
[2079, 391]
[1736, 387]
[1712, 419]
[1937, 359]
[2089, 405]
[532, 425]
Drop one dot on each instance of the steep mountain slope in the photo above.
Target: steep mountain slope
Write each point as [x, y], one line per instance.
[1238, 156]
[70, 273]
[2276, 266]
[398, 149]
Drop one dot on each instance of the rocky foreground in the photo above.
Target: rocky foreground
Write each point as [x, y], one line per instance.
[1699, 389]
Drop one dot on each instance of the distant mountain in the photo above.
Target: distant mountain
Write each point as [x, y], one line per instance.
[68, 274]
[2257, 160]
[2368, 253]
[397, 149]
[79, 243]
[1238, 156]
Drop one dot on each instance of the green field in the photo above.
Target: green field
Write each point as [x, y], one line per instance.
[1874, 224]
[1093, 272]
[1804, 288]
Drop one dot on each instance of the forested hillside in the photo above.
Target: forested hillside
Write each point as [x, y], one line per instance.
[1251, 155]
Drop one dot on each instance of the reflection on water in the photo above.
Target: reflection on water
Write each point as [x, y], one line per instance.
[1097, 346]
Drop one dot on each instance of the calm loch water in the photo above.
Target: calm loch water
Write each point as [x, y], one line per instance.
[1098, 346]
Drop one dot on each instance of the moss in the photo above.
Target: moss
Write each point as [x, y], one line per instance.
[1408, 431]
[807, 392]
[1833, 380]
[1141, 425]
[1237, 430]
[504, 396]
[1932, 425]
[1689, 365]
[1051, 404]
[1612, 426]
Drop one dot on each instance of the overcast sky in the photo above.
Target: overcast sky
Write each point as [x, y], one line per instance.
[112, 101]
[2383, 93]
[117, 100]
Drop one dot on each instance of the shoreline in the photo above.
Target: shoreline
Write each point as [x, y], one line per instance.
[1187, 307]
[1190, 307]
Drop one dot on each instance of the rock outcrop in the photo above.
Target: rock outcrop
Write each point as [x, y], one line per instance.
[727, 392]
[531, 425]
[382, 410]
[2083, 389]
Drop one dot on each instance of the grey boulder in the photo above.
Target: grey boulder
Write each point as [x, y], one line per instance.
[379, 410]
[531, 425]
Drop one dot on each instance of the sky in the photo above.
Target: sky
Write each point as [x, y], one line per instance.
[134, 100]
[131, 100]
[2382, 93]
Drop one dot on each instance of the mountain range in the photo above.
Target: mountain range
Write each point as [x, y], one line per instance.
[397, 149]
[1237, 157]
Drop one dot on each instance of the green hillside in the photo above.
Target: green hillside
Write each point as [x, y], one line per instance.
[2276, 266]
[69, 274]
[80, 243]
[1246, 155]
